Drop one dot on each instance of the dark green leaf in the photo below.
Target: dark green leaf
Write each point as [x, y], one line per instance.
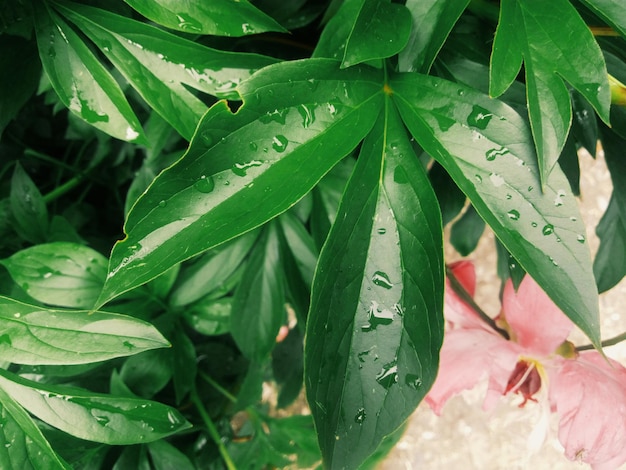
[92, 416]
[295, 435]
[218, 17]
[432, 22]
[167, 457]
[252, 386]
[611, 11]
[332, 42]
[60, 273]
[232, 178]
[466, 232]
[487, 149]
[183, 364]
[287, 367]
[614, 146]
[83, 84]
[609, 265]
[210, 317]
[133, 458]
[508, 267]
[147, 373]
[259, 303]
[301, 246]
[584, 124]
[568, 161]
[162, 285]
[556, 45]
[37, 335]
[451, 199]
[375, 325]
[371, 37]
[158, 64]
[28, 207]
[21, 443]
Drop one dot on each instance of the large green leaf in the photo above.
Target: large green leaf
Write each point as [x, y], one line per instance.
[555, 45]
[159, 64]
[37, 335]
[298, 120]
[371, 37]
[83, 84]
[218, 17]
[611, 11]
[487, 149]
[376, 321]
[94, 416]
[61, 273]
[432, 22]
[21, 443]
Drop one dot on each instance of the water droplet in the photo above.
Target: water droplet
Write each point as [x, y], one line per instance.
[253, 146]
[534, 224]
[461, 92]
[581, 238]
[530, 188]
[173, 418]
[413, 381]
[554, 263]
[362, 355]
[333, 109]
[479, 117]
[6, 339]
[382, 231]
[509, 196]
[573, 219]
[279, 143]
[360, 416]
[398, 308]
[130, 346]
[17, 315]
[188, 23]
[240, 169]
[558, 200]
[163, 203]
[47, 275]
[278, 115]
[377, 316]
[381, 279]
[247, 28]
[102, 420]
[308, 115]
[478, 178]
[388, 375]
[205, 184]
[493, 153]
[513, 214]
[548, 229]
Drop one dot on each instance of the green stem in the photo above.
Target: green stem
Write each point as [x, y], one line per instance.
[607, 342]
[48, 159]
[485, 9]
[460, 291]
[217, 386]
[208, 422]
[64, 188]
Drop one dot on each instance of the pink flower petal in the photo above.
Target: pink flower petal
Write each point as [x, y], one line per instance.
[467, 356]
[537, 324]
[590, 397]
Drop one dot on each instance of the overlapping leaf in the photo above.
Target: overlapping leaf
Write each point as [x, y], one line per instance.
[612, 11]
[555, 45]
[37, 335]
[487, 149]
[298, 120]
[376, 320]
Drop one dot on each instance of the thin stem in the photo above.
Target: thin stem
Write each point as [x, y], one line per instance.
[48, 159]
[217, 386]
[459, 290]
[607, 342]
[208, 422]
[64, 188]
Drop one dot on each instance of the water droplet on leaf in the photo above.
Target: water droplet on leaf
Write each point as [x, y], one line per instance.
[548, 229]
[279, 143]
[479, 117]
[513, 214]
[360, 416]
[205, 184]
[388, 376]
[381, 279]
[493, 153]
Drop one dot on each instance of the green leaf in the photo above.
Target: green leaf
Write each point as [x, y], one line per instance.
[167, 457]
[611, 11]
[375, 325]
[218, 17]
[584, 124]
[372, 37]
[287, 367]
[556, 45]
[466, 232]
[28, 207]
[451, 199]
[83, 84]
[159, 64]
[21, 443]
[432, 22]
[232, 178]
[332, 42]
[61, 273]
[146, 374]
[94, 416]
[38, 335]
[183, 364]
[609, 265]
[259, 303]
[210, 317]
[487, 149]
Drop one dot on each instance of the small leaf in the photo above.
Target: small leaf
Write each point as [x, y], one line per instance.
[376, 321]
[61, 273]
[487, 149]
[147, 373]
[217, 17]
[372, 37]
[611, 11]
[37, 335]
[83, 84]
[451, 199]
[183, 364]
[609, 265]
[28, 207]
[466, 232]
[93, 416]
[21, 442]
[167, 457]
[556, 45]
[210, 317]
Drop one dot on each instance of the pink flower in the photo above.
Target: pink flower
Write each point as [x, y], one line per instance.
[586, 390]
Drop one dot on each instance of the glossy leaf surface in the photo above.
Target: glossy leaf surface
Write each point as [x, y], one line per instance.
[375, 325]
[218, 17]
[37, 335]
[62, 274]
[232, 178]
[92, 416]
[555, 45]
[487, 149]
[612, 11]
[28, 207]
[83, 84]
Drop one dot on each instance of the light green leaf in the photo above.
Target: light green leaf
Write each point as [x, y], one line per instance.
[28, 207]
[38, 335]
[372, 37]
[94, 416]
[232, 179]
[487, 149]
[555, 45]
[332, 42]
[159, 64]
[21, 443]
[210, 317]
[83, 84]
[376, 320]
[218, 17]
[61, 273]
